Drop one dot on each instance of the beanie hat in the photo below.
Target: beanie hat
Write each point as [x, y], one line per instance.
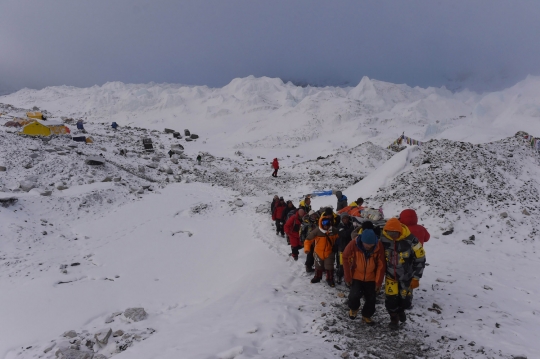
[368, 237]
[311, 212]
[393, 225]
[344, 214]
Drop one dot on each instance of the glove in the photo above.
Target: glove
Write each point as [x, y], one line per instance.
[348, 284]
[377, 290]
[414, 283]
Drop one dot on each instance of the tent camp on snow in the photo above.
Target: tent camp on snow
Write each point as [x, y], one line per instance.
[41, 128]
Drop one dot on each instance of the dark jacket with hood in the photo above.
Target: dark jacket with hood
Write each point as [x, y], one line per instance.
[405, 256]
[344, 233]
[342, 201]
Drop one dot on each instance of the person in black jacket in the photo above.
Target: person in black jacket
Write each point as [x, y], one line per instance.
[275, 201]
[345, 229]
[341, 200]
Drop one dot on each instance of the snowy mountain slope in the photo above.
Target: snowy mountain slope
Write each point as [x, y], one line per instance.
[480, 274]
[265, 113]
[230, 290]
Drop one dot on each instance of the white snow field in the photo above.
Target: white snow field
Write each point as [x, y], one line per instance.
[82, 243]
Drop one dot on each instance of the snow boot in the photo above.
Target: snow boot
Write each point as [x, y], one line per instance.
[394, 321]
[353, 313]
[318, 276]
[309, 269]
[368, 321]
[402, 316]
[330, 278]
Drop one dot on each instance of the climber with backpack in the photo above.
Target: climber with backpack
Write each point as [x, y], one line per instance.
[287, 213]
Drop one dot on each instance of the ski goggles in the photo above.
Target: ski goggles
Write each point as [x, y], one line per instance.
[325, 222]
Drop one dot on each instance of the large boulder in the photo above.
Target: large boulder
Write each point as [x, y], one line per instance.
[27, 185]
[135, 314]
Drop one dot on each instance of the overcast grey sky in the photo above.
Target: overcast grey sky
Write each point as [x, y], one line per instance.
[486, 44]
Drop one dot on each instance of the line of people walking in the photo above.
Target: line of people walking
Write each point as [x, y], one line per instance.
[361, 253]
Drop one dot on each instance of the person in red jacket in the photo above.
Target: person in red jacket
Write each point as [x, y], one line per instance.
[409, 218]
[292, 228]
[277, 216]
[275, 166]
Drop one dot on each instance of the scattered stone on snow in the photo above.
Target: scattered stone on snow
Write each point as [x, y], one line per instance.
[95, 161]
[135, 314]
[27, 185]
[70, 334]
[504, 215]
[104, 340]
[239, 203]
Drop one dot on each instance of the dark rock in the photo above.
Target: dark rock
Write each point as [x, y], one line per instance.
[194, 136]
[135, 314]
[8, 201]
[95, 161]
[450, 231]
[187, 133]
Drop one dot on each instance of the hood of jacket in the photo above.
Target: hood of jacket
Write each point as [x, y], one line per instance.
[408, 217]
[405, 232]
[320, 223]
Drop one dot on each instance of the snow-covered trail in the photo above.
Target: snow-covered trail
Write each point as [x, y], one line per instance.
[227, 288]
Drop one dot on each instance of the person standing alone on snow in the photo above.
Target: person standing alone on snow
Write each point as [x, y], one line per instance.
[405, 262]
[199, 158]
[275, 166]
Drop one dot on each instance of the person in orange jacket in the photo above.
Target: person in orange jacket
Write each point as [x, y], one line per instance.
[409, 218]
[364, 266]
[323, 238]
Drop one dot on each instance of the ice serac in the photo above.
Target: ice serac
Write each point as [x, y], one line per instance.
[381, 176]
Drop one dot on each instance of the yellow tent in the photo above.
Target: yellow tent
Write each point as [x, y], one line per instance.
[35, 115]
[39, 128]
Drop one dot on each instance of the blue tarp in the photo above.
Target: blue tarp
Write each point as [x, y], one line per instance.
[322, 193]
